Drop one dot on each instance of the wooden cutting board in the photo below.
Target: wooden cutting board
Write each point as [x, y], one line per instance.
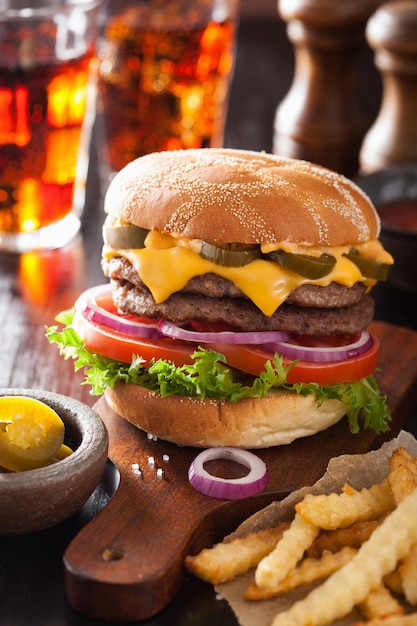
[127, 563]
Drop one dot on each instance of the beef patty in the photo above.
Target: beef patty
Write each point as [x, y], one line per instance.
[309, 310]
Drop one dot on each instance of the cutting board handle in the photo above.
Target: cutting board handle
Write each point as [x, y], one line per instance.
[127, 563]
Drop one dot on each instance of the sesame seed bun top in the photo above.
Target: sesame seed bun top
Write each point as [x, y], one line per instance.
[225, 196]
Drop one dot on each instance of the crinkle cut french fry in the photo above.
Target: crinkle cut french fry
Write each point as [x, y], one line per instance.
[334, 540]
[286, 554]
[392, 620]
[341, 510]
[226, 560]
[402, 476]
[380, 603]
[309, 571]
[350, 585]
[408, 574]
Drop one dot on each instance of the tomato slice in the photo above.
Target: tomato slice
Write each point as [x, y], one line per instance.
[247, 358]
[121, 347]
[252, 360]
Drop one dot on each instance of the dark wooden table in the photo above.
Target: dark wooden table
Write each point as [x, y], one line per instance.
[34, 287]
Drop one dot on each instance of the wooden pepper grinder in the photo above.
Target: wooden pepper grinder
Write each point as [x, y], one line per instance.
[321, 117]
[392, 139]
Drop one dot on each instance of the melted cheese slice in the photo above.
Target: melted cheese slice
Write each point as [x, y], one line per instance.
[166, 270]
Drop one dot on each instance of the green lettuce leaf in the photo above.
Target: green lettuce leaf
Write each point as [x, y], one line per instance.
[363, 400]
[209, 376]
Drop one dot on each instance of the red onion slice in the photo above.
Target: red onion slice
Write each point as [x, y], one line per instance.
[177, 332]
[321, 354]
[228, 488]
[94, 304]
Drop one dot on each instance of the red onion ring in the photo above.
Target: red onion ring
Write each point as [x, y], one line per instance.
[93, 305]
[261, 337]
[228, 488]
[323, 355]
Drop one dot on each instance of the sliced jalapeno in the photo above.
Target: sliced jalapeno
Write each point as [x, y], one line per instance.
[232, 255]
[125, 236]
[368, 267]
[308, 266]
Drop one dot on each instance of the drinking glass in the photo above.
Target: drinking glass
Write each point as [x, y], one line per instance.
[48, 70]
[164, 76]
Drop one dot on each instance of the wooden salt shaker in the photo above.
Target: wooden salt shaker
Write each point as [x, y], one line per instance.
[321, 117]
[392, 139]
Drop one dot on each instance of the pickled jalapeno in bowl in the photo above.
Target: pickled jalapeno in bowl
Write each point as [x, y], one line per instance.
[53, 452]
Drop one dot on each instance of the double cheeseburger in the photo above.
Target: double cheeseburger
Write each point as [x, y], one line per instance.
[238, 302]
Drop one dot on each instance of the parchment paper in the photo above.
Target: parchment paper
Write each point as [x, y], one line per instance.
[359, 471]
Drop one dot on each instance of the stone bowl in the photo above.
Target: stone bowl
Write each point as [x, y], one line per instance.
[37, 499]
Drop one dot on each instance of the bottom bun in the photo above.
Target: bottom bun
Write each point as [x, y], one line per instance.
[250, 423]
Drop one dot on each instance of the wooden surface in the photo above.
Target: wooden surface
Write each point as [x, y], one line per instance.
[127, 563]
[34, 288]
